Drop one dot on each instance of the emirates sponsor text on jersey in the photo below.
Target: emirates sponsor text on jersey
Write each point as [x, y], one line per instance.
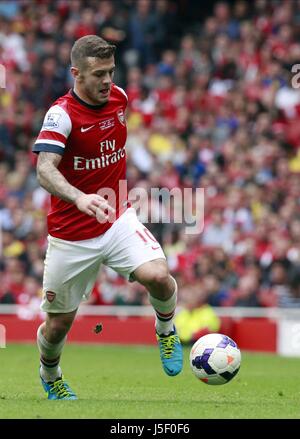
[82, 163]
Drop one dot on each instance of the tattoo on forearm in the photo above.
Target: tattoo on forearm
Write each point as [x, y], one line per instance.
[51, 179]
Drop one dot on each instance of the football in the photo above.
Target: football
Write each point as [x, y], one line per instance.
[215, 359]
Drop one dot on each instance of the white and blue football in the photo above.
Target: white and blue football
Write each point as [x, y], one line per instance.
[215, 359]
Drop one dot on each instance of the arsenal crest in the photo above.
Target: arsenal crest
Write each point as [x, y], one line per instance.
[121, 116]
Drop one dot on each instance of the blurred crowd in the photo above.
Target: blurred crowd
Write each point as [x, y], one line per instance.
[214, 103]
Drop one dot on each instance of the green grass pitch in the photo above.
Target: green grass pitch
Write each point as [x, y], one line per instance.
[118, 382]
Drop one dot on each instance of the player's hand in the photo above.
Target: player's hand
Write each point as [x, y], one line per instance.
[94, 205]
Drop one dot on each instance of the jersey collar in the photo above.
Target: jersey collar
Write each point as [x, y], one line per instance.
[92, 107]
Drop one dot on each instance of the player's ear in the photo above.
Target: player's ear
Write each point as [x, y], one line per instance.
[75, 73]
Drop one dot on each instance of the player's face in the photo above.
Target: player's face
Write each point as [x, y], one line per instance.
[96, 79]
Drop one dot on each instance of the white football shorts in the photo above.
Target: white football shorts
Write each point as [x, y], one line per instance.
[71, 267]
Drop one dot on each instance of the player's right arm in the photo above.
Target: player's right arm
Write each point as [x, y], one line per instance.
[50, 146]
[51, 179]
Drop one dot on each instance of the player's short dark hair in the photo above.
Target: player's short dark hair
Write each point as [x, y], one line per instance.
[93, 46]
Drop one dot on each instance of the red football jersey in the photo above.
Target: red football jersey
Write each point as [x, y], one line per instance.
[91, 140]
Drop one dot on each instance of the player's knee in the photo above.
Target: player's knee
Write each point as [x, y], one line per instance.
[159, 276]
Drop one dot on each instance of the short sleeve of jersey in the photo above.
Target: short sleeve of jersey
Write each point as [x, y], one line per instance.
[124, 95]
[55, 131]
